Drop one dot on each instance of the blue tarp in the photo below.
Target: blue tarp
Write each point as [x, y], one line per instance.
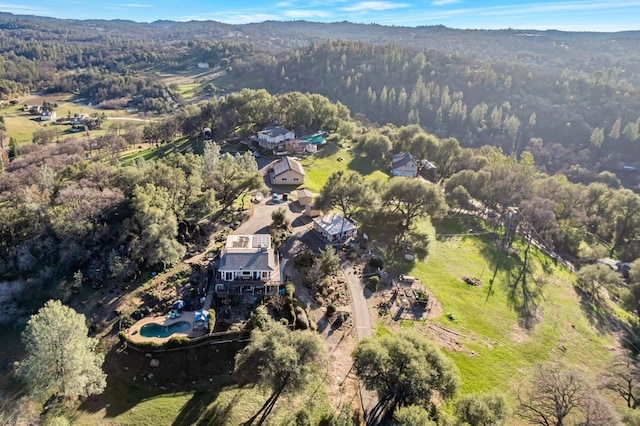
[201, 316]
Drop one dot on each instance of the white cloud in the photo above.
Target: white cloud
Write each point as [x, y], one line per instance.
[366, 6]
[22, 9]
[134, 5]
[303, 14]
[284, 4]
[444, 2]
[232, 17]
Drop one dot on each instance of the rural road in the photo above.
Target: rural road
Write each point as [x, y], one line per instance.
[362, 322]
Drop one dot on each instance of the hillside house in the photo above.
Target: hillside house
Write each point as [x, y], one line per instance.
[48, 115]
[403, 164]
[334, 227]
[274, 137]
[287, 171]
[248, 265]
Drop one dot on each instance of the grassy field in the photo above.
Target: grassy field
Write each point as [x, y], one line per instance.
[507, 327]
[151, 152]
[333, 158]
[22, 125]
[216, 405]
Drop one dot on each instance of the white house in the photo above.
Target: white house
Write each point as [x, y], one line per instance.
[334, 227]
[248, 264]
[48, 115]
[203, 65]
[403, 164]
[287, 171]
[274, 137]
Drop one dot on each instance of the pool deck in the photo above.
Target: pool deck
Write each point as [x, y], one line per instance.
[187, 316]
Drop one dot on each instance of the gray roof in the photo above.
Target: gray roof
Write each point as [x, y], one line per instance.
[275, 131]
[258, 261]
[401, 159]
[334, 223]
[428, 165]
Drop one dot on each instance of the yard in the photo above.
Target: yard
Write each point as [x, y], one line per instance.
[497, 331]
[22, 125]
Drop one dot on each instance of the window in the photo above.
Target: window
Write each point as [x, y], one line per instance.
[295, 179]
[283, 179]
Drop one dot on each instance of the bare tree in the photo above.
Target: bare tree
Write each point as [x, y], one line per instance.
[560, 396]
[623, 378]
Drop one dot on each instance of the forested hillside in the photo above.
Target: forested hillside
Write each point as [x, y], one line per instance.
[569, 98]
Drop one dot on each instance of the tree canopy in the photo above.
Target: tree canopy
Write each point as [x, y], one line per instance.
[405, 369]
[62, 362]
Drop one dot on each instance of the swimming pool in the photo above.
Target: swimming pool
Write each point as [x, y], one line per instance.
[315, 139]
[156, 330]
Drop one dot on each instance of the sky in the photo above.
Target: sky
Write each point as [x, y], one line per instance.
[573, 15]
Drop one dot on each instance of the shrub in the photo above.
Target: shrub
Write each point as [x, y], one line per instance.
[284, 321]
[177, 341]
[340, 319]
[257, 319]
[122, 336]
[126, 322]
[331, 310]
[373, 283]
[376, 262]
[211, 321]
[289, 290]
[147, 345]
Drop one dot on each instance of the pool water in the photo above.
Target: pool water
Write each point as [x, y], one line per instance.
[156, 330]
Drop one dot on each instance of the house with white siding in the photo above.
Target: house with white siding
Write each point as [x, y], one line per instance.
[403, 164]
[334, 227]
[275, 137]
[248, 265]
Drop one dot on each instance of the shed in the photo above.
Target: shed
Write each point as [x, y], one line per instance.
[305, 197]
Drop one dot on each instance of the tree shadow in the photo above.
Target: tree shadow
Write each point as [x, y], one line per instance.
[599, 316]
[194, 410]
[362, 165]
[524, 293]
[327, 150]
[218, 415]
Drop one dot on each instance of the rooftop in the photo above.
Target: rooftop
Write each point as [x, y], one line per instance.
[273, 131]
[249, 243]
[401, 159]
[286, 164]
[334, 223]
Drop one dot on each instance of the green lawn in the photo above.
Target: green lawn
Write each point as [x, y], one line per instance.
[21, 125]
[188, 91]
[230, 405]
[155, 152]
[494, 319]
[333, 158]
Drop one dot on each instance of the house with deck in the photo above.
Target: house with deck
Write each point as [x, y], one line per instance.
[248, 265]
[275, 137]
[334, 227]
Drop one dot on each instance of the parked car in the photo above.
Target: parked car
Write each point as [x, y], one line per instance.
[276, 198]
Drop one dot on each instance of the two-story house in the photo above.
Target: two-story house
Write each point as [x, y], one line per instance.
[287, 171]
[248, 264]
[274, 137]
[403, 164]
